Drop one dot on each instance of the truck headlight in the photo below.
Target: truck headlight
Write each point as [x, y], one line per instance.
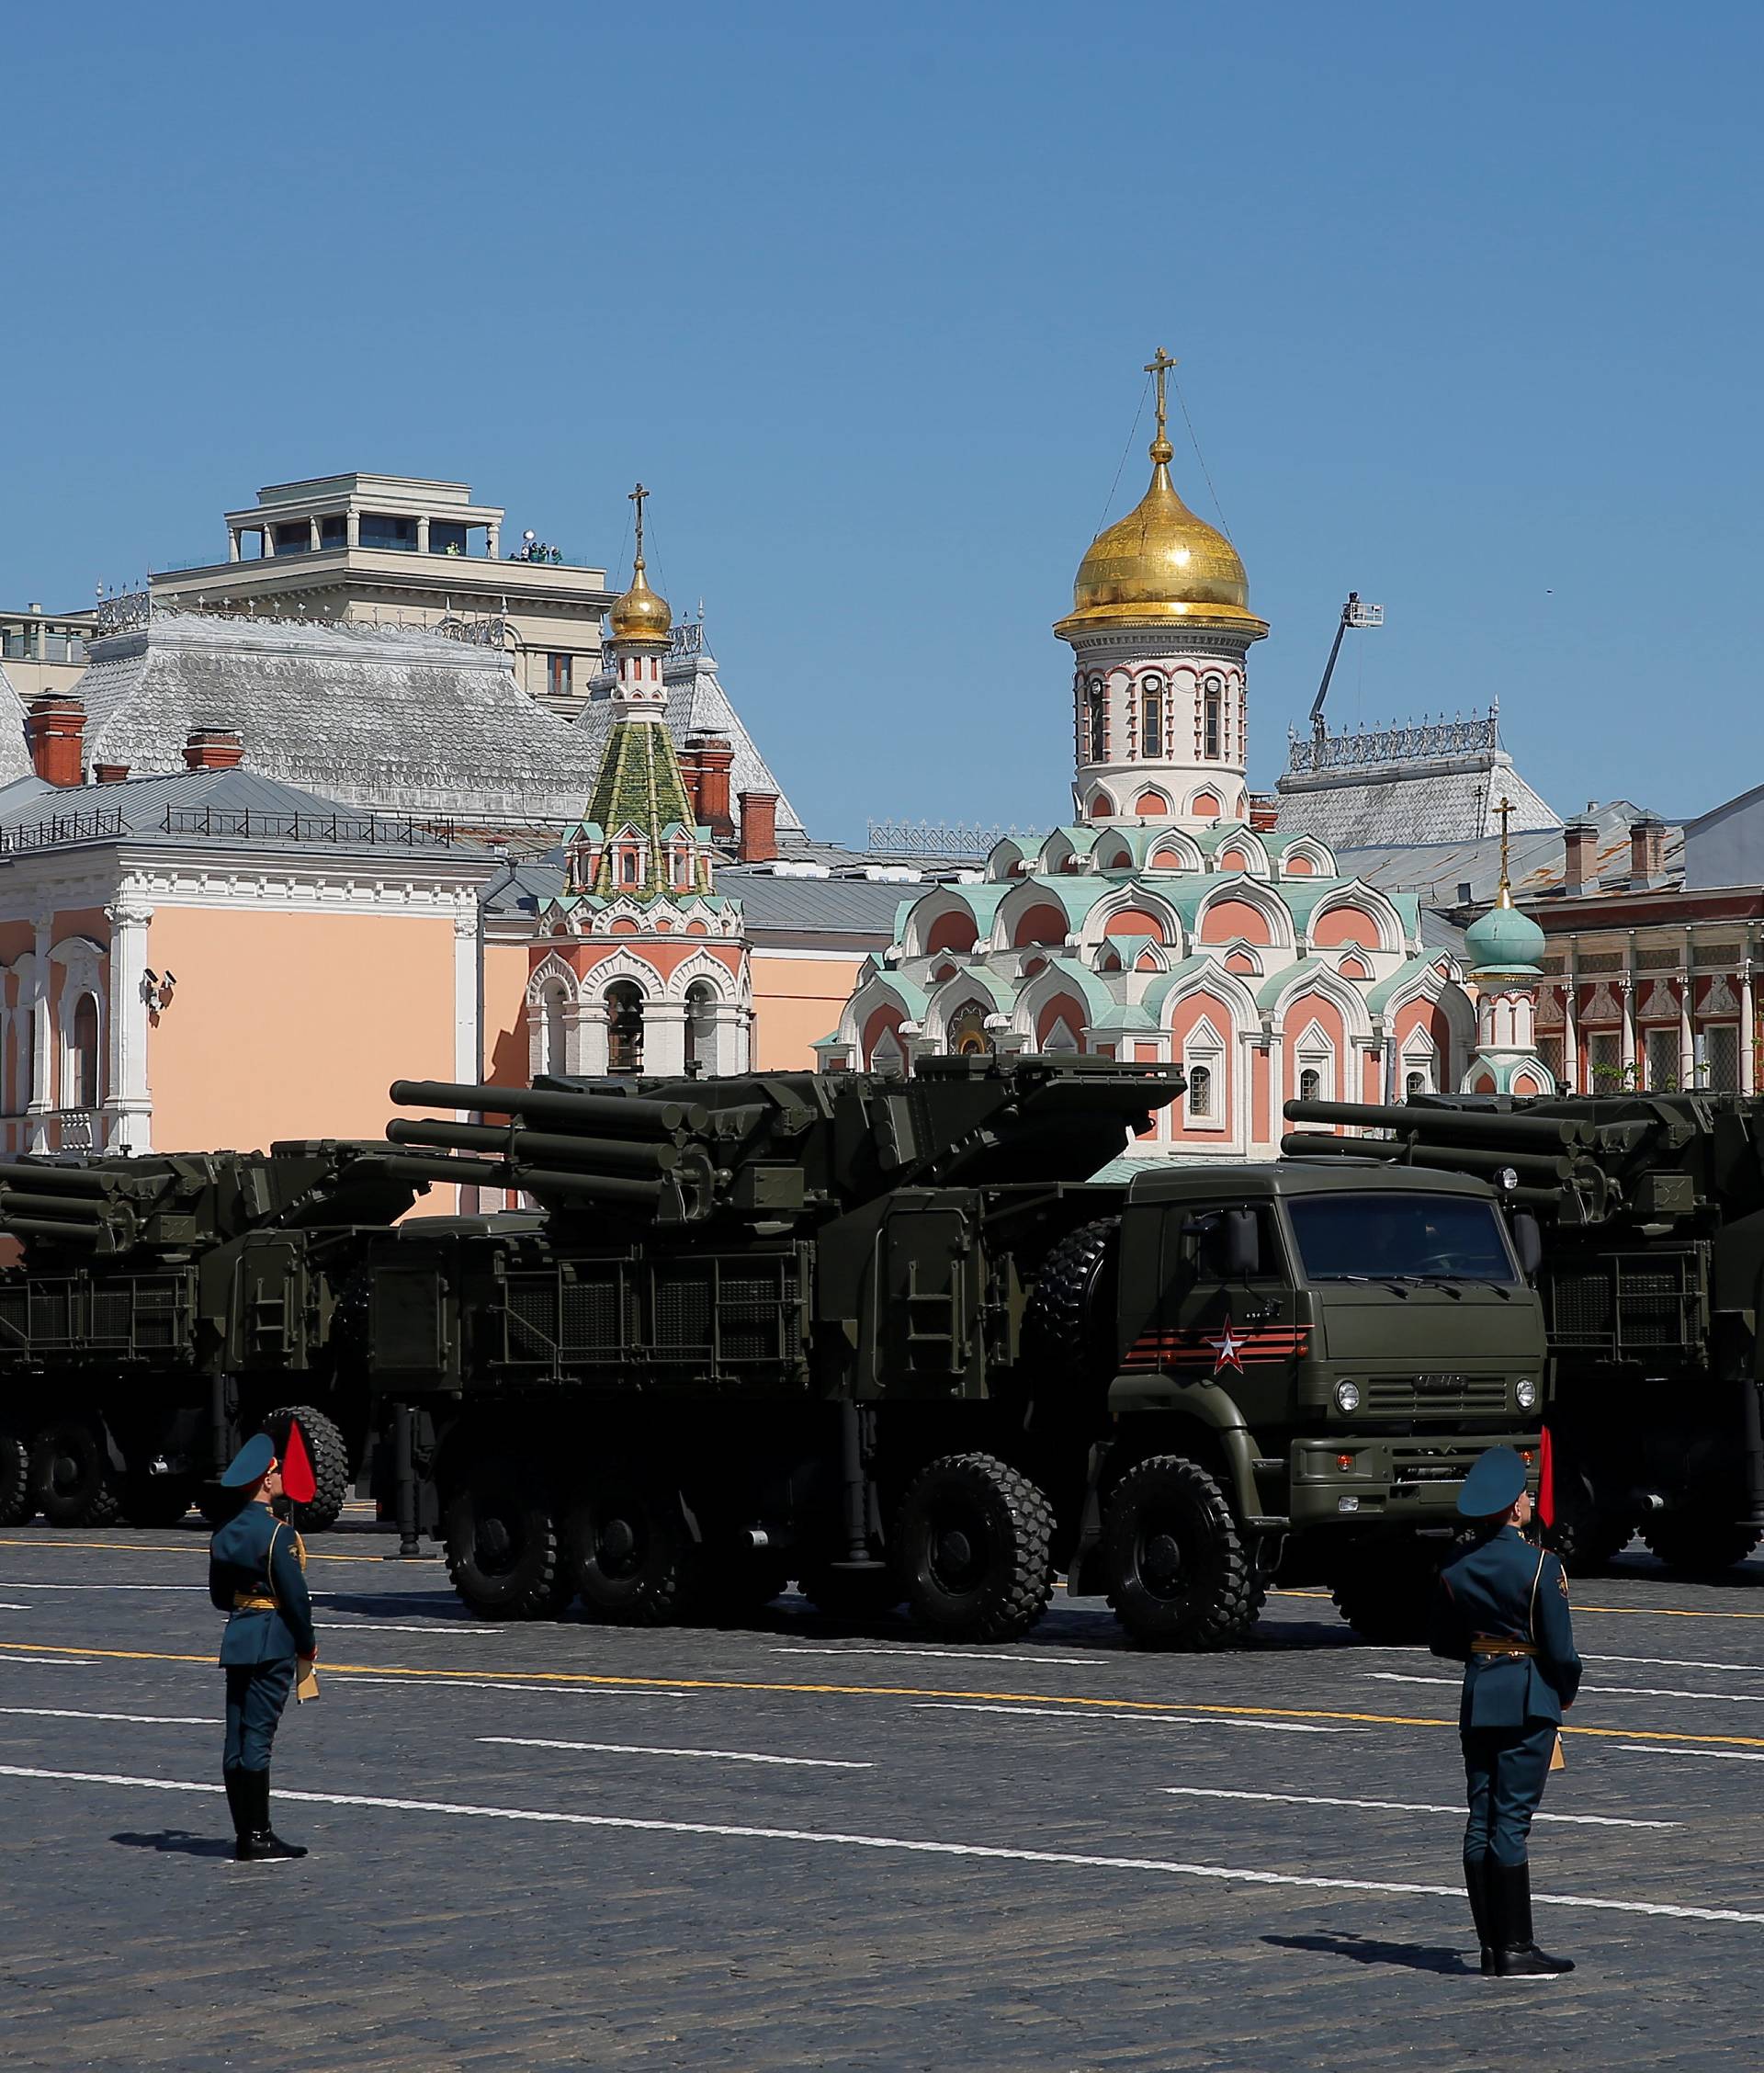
[1525, 1393]
[1347, 1397]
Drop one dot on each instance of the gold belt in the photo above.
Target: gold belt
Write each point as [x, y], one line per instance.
[1498, 1645]
[251, 1602]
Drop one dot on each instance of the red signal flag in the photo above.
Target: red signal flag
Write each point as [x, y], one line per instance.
[297, 1479]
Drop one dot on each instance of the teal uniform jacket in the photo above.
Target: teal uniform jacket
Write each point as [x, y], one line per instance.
[255, 1556]
[1505, 1588]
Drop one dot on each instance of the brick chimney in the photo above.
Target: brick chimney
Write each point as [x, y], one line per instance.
[687, 756]
[1647, 852]
[1264, 812]
[1580, 840]
[715, 760]
[759, 843]
[55, 728]
[213, 748]
[110, 773]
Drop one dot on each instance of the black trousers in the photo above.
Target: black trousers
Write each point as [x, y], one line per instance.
[256, 1693]
[1506, 1770]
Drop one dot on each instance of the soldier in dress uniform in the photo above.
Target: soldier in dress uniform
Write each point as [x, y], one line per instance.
[257, 1577]
[1501, 1609]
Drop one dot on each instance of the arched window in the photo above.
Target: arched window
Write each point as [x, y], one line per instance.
[701, 1027]
[969, 1037]
[624, 1027]
[1151, 721]
[1213, 719]
[83, 1057]
[1200, 1089]
[1414, 1083]
[1096, 722]
[1310, 1084]
[552, 1010]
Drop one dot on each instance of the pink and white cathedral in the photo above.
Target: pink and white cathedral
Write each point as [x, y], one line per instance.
[1171, 922]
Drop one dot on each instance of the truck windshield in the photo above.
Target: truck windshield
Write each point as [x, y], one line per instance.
[1399, 1237]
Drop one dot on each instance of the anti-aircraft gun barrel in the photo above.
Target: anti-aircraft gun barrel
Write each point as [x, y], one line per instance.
[59, 1180]
[1537, 1167]
[610, 1188]
[69, 1231]
[22, 1202]
[616, 1114]
[617, 1155]
[1446, 1126]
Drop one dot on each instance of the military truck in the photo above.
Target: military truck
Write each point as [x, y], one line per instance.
[1651, 1208]
[164, 1307]
[887, 1337]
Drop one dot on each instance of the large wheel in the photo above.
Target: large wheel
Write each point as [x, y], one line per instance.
[155, 1501]
[1702, 1544]
[71, 1479]
[324, 1444]
[971, 1543]
[1062, 1320]
[1385, 1591]
[1179, 1574]
[503, 1544]
[628, 1551]
[17, 1503]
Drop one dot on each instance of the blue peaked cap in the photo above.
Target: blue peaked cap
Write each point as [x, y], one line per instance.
[1492, 1484]
[251, 1463]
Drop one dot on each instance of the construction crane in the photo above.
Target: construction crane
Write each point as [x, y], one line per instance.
[1354, 614]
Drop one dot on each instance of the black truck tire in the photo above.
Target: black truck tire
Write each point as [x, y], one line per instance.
[155, 1501]
[17, 1503]
[1385, 1591]
[971, 1543]
[324, 1444]
[1179, 1574]
[71, 1483]
[628, 1551]
[1701, 1544]
[1060, 1321]
[503, 1554]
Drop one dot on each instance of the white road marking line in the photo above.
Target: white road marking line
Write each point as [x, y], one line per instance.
[1680, 1663]
[5, 1608]
[31, 1583]
[1400, 1807]
[1594, 1691]
[50, 1662]
[1653, 1748]
[388, 1626]
[638, 1749]
[161, 1719]
[1047, 1661]
[1066, 1859]
[484, 1684]
[1138, 1719]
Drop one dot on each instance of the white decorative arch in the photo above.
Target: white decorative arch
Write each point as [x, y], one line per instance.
[964, 990]
[1025, 894]
[1225, 987]
[81, 962]
[702, 970]
[1315, 1050]
[1180, 843]
[1316, 855]
[1343, 994]
[622, 964]
[1242, 947]
[1256, 893]
[1254, 850]
[1428, 984]
[935, 907]
[1134, 893]
[552, 971]
[1365, 899]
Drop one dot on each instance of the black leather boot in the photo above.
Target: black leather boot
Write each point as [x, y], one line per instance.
[1480, 1887]
[1516, 1956]
[262, 1845]
[237, 1807]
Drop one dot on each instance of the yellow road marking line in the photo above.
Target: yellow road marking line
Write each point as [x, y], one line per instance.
[195, 1547]
[1079, 1702]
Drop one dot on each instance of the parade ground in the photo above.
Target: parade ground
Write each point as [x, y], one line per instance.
[795, 1846]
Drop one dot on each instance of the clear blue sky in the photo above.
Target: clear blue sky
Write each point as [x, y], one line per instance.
[1468, 304]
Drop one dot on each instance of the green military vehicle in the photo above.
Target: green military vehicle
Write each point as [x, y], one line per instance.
[887, 1338]
[1651, 1208]
[164, 1307]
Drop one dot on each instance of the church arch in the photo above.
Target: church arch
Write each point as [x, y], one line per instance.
[1243, 910]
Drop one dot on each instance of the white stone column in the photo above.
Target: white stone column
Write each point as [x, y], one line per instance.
[1686, 1028]
[352, 528]
[421, 536]
[493, 539]
[664, 1038]
[37, 1108]
[129, 1103]
[233, 550]
[584, 1039]
[467, 1039]
[1747, 1030]
[268, 535]
[1626, 1038]
[1571, 1074]
[313, 533]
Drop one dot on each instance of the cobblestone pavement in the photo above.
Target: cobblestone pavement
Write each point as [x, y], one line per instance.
[544, 1846]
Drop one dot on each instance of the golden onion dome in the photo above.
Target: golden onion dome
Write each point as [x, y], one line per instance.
[1160, 562]
[642, 613]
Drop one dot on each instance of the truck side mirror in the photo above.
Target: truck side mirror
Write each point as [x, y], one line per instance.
[1240, 1243]
[1528, 1242]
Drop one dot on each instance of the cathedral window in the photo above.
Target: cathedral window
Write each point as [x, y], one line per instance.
[1310, 1084]
[624, 1027]
[701, 1023]
[1200, 1089]
[1096, 723]
[1213, 719]
[1151, 721]
[82, 1091]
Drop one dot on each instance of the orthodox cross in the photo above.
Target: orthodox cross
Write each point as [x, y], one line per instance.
[637, 497]
[1160, 365]
[1504, 811]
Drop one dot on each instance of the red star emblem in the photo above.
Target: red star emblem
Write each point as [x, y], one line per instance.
[1228, 1349]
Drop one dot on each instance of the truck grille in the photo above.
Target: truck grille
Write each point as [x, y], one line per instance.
[1408, 1396]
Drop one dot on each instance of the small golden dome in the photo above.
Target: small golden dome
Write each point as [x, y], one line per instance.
[642, 613]
[1161, 562]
